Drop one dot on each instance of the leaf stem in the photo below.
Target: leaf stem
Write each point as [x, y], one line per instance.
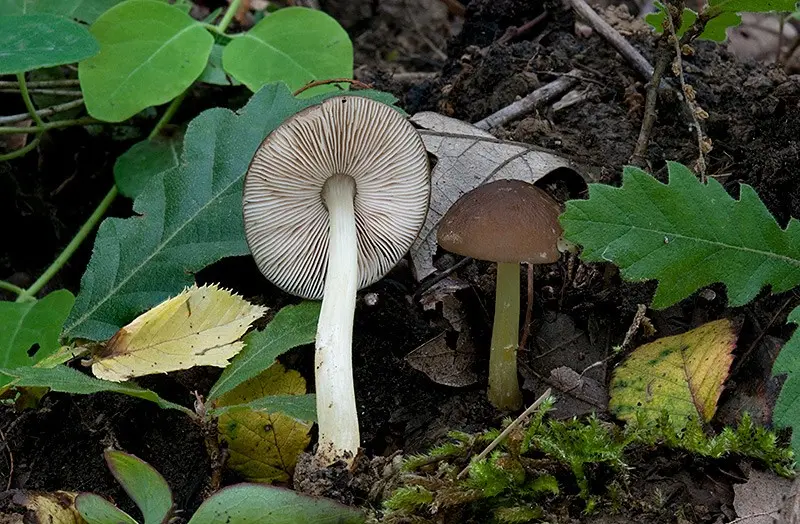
[228, 16]
[20, 152]
[42, 83]
[168, 114]
[47, 111]
[47, 126]
[8, 286]
[68, 251]
[26, 97]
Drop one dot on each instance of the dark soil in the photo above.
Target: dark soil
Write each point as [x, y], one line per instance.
[754, 124]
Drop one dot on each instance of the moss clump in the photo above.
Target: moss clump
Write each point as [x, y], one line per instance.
[549, 463]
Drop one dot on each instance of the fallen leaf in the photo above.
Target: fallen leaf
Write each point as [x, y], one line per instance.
[581, 395]
[443, 364]
[57, 507]
[264, 447]
[682, 375]
[466, 158]
[790, 512]
[759, 499]
[199, 327]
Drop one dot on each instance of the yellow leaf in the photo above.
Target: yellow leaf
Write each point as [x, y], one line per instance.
[199, 327]
[682, 375]
[263, 447]
[54, 508]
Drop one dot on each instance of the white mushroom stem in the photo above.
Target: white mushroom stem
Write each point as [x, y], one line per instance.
[333, 363]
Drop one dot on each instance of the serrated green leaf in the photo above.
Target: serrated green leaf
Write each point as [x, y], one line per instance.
[29, 330]
[32, 41]
[83, 10]
[715, 30]
[787, 407]
[97, 510]
[67, 380]
[186, 220]
[292, 326]
[295, 45]
[135, 167]
[150, 52]
[244, 503]
[143, 484]
[686, 235]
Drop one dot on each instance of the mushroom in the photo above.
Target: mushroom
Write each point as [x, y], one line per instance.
[508, 222]
[333, 199]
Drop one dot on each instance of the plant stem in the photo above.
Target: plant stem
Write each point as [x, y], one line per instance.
[168, 114]
[20, 152]
[47, 111]
[504, 392]
[228, 16]
[8, 286]
[26, 97]
[639, 157]
[76, 241]
[337, 417]
[43, 83]
[40, 91]
[47, 126]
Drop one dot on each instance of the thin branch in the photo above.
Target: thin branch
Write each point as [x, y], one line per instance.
[9, 130]
[8, 286]
[39, 91]
[42, 83]
[526, 330]
[502, 436]
[612, 36]
[43, 113]
[541, 96]
[26, 97]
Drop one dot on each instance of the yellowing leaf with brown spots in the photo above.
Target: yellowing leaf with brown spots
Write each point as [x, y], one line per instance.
[57, 507]
[263, 447]
[682, 375]
[199, 327]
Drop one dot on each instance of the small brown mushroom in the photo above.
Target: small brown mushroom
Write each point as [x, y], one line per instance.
[508, 222]
[333, 199]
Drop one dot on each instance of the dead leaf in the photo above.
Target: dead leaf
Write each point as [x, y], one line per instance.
[199, 327]
[758, 500]
[264, 447]
[682, 375]
[581, 394]
[466, 158]
[57, 507]
[790, 511]
[443, 364]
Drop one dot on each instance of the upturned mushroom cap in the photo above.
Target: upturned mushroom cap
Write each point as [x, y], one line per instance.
[285, 218]
[503, 221]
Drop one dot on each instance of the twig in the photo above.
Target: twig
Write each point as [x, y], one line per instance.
[58, 124]
[612, 36]
[42, 83]
[42, 113]
[639, 157]
[38, 91]
[356, 83]
[515, 32]
[438, 277]
[10, 460]
[415, 76]
[641, 309]
[519, 420]
[754, 516]
[743, 358]
[543, 95]
[696, 112]
[526, 330]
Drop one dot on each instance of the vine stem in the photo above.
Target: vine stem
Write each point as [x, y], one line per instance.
[68, 251]
[8, 286]
[48, 126]
[47, 111]
[229, 14]
[26, 97]
[20, 152]
[168, 114]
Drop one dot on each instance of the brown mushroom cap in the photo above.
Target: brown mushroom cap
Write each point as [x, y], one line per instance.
[503, 221]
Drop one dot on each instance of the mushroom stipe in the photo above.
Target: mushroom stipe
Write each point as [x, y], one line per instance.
[333, 199]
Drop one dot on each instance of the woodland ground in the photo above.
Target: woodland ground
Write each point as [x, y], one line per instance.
[754, 124]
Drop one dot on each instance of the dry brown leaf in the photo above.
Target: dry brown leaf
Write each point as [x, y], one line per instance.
[57, 507]
[466, 158]
[758, 500]
[443, 364]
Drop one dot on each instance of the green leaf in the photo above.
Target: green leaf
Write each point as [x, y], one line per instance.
[185, 221]
[213, 73]
[32, 41]
[29, 330]
[715, 30]
[83, 10]
[787, 407]
[300, 407]
[295, 45]
[292, 326]
[686, 235]
[750, 6]
[143, 484]
[97, 510]
[150, 52]
[136, 166]
[250, 503]
[67, 380]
